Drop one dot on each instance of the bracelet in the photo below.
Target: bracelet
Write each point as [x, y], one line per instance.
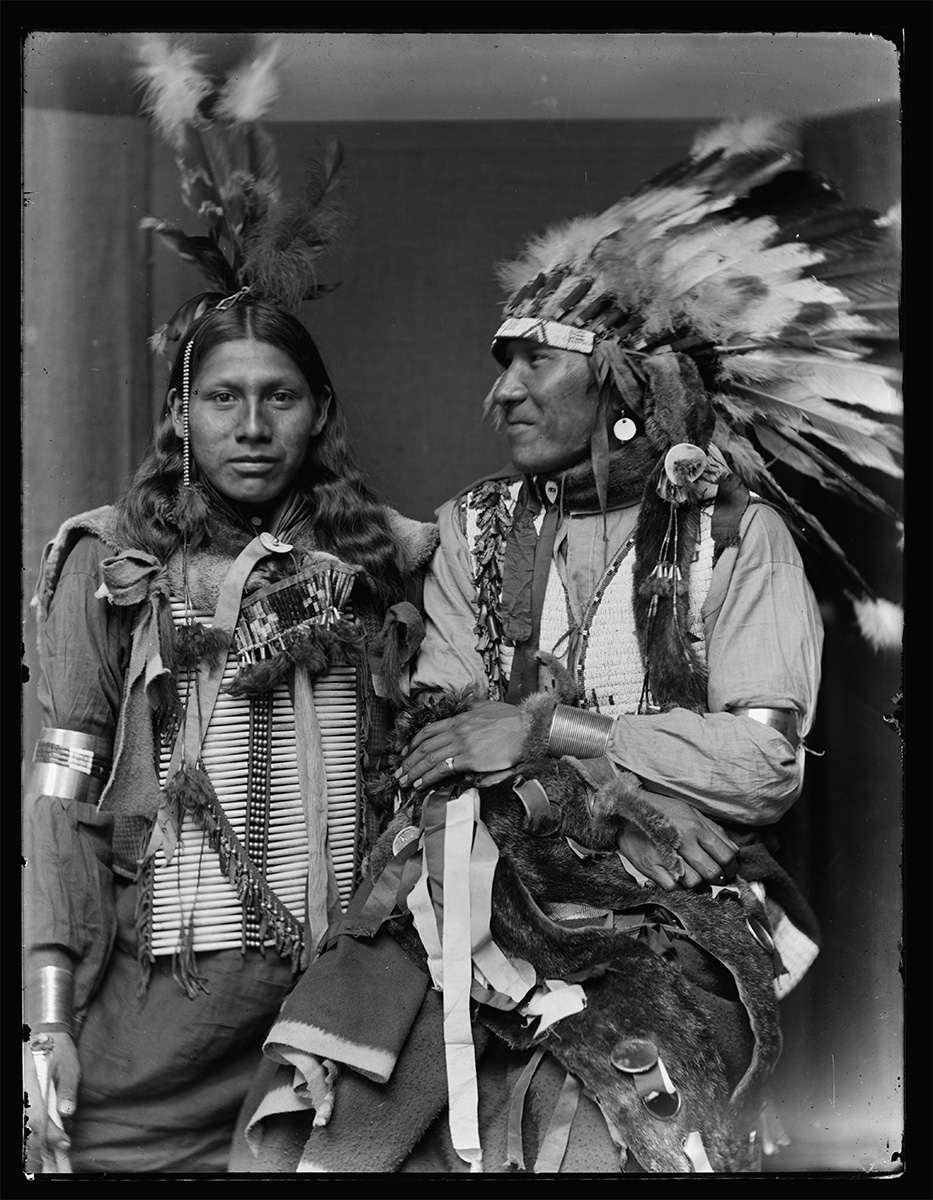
[56, 997]
[578, 732]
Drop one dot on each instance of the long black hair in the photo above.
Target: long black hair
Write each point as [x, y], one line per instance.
[347, 518]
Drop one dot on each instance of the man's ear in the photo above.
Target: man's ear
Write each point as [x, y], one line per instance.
[323, 404]
[175, 410]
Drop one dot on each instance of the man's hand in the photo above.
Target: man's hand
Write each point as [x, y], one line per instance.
[486, 740]
[707, 854]
[48, 1137]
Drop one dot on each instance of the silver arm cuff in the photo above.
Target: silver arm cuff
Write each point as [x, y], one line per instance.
[53, 997]
[577, 732]
[72, 766]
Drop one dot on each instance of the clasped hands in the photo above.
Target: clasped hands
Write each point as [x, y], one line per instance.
[486, 743]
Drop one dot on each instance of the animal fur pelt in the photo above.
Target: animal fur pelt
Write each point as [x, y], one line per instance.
[702, 992]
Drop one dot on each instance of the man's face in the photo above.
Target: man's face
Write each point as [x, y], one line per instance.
[547, 400]
[251, 419]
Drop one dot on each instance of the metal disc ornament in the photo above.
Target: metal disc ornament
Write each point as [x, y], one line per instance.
[624, 429]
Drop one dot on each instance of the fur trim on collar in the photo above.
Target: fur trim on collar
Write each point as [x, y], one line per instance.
[99, 523]
[417, 540]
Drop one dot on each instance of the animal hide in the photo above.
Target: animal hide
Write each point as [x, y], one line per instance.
[692, 979]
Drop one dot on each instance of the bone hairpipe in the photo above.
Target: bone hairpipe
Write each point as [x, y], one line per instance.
[217, 898]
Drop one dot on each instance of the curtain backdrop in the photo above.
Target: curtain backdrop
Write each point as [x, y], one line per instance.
[434, 206]
[406, 338]
[85, 421]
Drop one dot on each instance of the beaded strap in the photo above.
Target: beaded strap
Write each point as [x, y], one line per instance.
[490, 502]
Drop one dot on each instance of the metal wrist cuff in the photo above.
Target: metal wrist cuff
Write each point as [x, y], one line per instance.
[56, 994]
[72, 766]
[578, 732]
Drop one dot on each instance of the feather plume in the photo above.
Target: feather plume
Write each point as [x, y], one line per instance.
[854, 383]
[880, 616]
[228, 168]
[202, 252]
[252, 90]
[752, 470]
[761, 131]
[173, 82]
[864, 440]
[793, 451]
[880, 622]
[281, 253]
[260, 161]
[324, 178]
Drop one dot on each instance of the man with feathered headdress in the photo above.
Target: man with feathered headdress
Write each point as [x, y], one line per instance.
[625, 606]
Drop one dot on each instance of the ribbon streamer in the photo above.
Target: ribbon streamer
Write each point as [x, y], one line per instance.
[323, 896]
[462, 1086]
[554, 1144]
[515, 1152]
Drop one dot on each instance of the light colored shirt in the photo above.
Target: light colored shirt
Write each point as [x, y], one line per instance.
[763, 635]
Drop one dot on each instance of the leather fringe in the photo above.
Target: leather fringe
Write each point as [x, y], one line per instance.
[190, 790]
[145, 885]
[252, 889]
[184, 963]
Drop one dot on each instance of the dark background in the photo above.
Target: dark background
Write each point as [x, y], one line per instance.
[406, 337]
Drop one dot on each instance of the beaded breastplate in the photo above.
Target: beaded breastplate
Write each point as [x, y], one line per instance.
[250, 755]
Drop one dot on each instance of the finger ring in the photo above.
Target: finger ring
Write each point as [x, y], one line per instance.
[449, 764]
[429, 758]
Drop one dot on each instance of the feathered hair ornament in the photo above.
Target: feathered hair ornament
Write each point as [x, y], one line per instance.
[786, 302]
[256, 238]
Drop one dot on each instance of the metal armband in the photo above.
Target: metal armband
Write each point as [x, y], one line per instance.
[72, 766]
[578, 732]
[784, 720]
